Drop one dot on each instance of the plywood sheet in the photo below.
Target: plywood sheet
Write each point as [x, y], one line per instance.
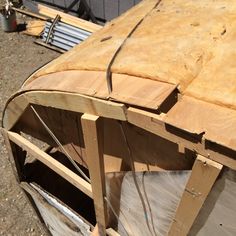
[216, 123]
[127, 89]
[177, 42]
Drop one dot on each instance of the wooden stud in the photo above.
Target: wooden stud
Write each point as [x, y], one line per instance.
[53, 164]
[29, 13]
[204, 174]
[93, 139]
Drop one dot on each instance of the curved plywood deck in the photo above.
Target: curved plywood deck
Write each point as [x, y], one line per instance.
[158, 46]
[177, 43]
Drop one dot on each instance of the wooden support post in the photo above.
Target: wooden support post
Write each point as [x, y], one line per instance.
[204, 174]
[93, 139]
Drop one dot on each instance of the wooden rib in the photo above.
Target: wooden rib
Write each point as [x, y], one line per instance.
[204, 174]
[78, 103]
[53, 164]
[62, 100]
[155, 124]
[69, 19]
[14, 110]
[93, 139]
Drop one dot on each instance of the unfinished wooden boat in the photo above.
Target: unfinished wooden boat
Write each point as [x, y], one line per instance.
[134, 129]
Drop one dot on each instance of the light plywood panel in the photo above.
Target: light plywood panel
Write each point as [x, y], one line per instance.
[126, 89]
[216, 123]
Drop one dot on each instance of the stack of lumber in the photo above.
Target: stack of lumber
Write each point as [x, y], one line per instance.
[59, 39]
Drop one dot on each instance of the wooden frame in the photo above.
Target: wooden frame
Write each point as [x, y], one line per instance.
[146, 120]
[208, 163]
[16, 139]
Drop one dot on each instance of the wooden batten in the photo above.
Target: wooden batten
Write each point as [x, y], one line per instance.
[64, 101]
[203, 176]
[51, 163]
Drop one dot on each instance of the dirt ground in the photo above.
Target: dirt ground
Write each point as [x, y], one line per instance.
[19, 57]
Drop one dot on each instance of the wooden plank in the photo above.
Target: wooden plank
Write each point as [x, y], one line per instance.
[139, 91]
[46, 45]
[203, 176]
[29, 13]
[78, 103]
[52, 214]
[34, 27]
[214, 120]
[93, 138]
[69, 19]
[62, 100]
[155, 124]
[53, 164]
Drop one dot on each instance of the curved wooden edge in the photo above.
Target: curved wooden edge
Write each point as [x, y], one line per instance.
[61, 100]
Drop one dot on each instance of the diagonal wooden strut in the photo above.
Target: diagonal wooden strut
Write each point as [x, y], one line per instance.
[204, 174]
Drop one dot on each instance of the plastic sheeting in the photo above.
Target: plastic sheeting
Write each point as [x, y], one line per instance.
[147, 202]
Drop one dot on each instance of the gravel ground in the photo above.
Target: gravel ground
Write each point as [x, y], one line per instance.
[19, 58]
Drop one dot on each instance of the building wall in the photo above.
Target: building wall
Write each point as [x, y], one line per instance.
[103, 9]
